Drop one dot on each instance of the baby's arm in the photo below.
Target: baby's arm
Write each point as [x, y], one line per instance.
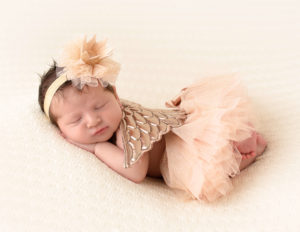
[113, 157]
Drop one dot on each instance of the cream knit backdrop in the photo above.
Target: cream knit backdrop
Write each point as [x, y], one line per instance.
[49, 185]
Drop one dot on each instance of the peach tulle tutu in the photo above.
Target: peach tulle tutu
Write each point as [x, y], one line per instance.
[200, 158]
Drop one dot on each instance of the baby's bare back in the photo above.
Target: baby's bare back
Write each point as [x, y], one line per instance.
[155, 155]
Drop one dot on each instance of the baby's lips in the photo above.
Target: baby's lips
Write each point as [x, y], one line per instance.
[100, 130]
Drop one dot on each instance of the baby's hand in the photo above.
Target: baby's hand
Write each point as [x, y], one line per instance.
[87, 147]
[119, 141]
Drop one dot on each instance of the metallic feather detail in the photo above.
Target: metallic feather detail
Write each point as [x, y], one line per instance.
[141, 127]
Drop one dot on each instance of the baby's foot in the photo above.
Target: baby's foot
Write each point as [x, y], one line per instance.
[247, 159]
[255, 143]
[261, 144]
[248, 145]
[251, 148]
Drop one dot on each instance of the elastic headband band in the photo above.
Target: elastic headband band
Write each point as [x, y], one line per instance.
[52, 90]
[84, 63]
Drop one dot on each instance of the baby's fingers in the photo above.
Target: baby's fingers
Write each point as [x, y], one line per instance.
[87, 147]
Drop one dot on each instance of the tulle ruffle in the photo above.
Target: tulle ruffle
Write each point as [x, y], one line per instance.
[199, 157]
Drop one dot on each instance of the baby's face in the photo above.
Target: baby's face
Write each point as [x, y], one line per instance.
[87, 117]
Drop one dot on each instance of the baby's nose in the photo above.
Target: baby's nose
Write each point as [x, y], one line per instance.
[92, 120]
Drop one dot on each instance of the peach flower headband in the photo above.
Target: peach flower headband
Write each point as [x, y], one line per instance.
[84, 63]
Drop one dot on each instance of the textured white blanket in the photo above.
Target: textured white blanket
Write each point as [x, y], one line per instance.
[49, 185]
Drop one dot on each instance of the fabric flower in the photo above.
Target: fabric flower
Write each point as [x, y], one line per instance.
[86, 62]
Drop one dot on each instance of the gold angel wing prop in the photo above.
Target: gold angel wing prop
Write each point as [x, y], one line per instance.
[141, 127]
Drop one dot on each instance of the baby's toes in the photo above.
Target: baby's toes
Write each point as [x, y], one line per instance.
[248, 155]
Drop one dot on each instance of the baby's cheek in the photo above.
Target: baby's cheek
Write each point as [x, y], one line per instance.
[73, 134]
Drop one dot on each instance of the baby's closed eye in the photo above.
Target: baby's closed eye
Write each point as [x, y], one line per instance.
[99, 106]
[76, 120]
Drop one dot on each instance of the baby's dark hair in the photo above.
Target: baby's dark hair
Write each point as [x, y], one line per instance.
[47, 79]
